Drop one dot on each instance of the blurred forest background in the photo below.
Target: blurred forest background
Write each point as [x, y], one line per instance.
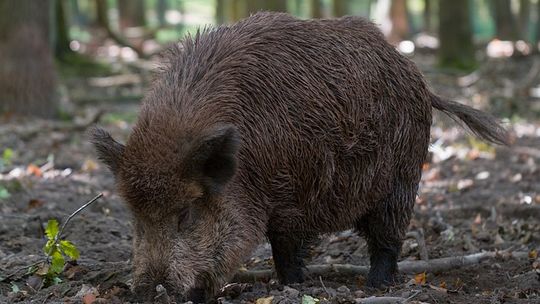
[44, 42]
[68, 64]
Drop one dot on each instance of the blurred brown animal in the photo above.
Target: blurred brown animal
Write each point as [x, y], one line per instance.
[275, 127]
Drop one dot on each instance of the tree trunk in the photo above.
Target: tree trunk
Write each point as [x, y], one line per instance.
[61, 48]
[455, 34]
[316, 9]
[77, 18]
[524, 16]
[161, 9]
[131, 13]
[537, 33]
[341, 8]
[428, 27]
[220, 10]
[504, 20]
[27, 73]
[102, 18]
[253, 6]
[275, 5]
[400, 21]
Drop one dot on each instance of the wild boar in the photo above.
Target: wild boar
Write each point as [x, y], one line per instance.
[280, 128]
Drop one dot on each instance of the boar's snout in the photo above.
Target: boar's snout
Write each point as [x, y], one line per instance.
[150, 292]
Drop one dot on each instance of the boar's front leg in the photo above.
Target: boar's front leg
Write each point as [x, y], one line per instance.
[384, 228]
[288, 252]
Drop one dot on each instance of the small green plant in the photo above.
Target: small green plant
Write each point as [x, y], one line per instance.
[307, 299]
[4, 193]
[56, 249]
[5, 160]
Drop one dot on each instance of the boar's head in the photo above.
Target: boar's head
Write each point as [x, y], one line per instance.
[188, 236]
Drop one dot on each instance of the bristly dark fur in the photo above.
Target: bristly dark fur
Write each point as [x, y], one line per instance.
[308, 127]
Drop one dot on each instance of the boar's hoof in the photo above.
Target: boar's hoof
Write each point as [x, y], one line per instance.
[196, 295]
[380, 279]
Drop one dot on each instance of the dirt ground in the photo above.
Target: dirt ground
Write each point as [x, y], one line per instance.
[473, 198]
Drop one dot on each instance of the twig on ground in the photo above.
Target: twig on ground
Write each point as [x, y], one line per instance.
[413, 295]
[408, 267]
[21, 269]
[81, 208]
[323, 286]
[419, 236]
[381, 300]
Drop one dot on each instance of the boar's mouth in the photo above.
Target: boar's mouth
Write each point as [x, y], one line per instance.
[196, 295]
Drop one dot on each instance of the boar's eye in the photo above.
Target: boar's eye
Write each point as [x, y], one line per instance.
[184, 218]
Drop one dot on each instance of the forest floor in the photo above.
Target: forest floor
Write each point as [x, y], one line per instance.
[473, 198]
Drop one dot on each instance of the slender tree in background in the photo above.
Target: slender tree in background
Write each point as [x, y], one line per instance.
[316, 7]
[102, 18]
[455, 34]
[524, 16]
[131, 13]
[276, 5]
[27, 73]
[220, 9]
[102, 21]
[340, 8]
[400, 21]
[253, 6]
[505, 23]
[161, 9]
[62, 40]
[428, 25]
[537, 32]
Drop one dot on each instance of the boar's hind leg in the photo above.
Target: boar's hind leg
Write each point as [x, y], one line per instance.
[288, 252]
[384, 228]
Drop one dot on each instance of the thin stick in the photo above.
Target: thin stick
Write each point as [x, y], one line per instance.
[322, 283]
[422, 249]
[409, 267]
[20, 269]
[382, 300]
[72, 215]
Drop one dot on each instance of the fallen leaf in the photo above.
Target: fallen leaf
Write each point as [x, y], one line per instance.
[34, 203]
[42, 269]
[439, 289]
[478, 219]
[89, 165]
[443, 285]
[267, 300]
[75, 273]
[464, 184]
[533, 254]
[473, 154]
[34, 282]
[34, 170]
[309, 300]
[89, 298]
[420, 279]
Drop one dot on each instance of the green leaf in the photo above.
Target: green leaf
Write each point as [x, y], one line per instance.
[52, 229]
[69, 249]
[14, 288]
[7, 156]
[4, 193]
[56, 281]
[309, 300]
[57, 262]
[47, 247]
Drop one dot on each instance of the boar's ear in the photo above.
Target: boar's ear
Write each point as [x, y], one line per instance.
[215, 157]
[109, 150]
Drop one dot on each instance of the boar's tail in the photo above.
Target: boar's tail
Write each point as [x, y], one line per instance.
[480, 123]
